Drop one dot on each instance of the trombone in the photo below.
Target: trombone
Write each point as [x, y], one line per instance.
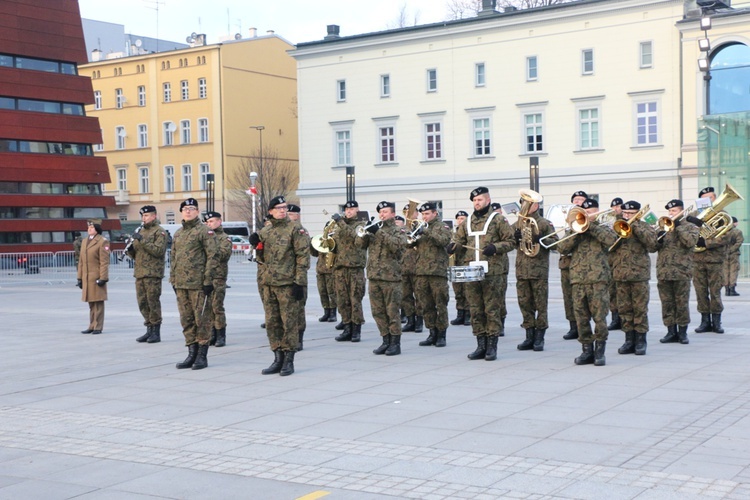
[578, 221]
[667, 223]
[624, 229]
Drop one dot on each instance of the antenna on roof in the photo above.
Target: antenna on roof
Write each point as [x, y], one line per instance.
[156, 4]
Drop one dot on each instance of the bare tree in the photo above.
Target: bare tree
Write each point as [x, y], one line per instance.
[276, 177]
[402, 20]
[461, 9]
[529, 4]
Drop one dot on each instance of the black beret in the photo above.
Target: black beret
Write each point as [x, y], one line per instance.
[427, 205]
[211, 215]
[631, 205]
[496, 206]
[406, 207]
[295, 209]
[706, 190]
[276, 201]
[674, 203]
[615, 202]
[190, 202]
[582, 194]
[148, 209]
[477, 192]
[351, 204]
[399, 217]
[461, 213]
[385, 204]
[589, 203]
[734, 219]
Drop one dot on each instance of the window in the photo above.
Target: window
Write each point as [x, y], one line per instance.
[170, 217]
[122, 179]
[168, 129]
[187, 177]
[533, 128]
[99, 147]
[588, 128]
[343, 148]
[143, 184]
[433, 141]
[98, 99]
[142, 136]
[385, 85]
[169, 179]
[203, 130]
[120, 135]
[202, 88]
[387, 138]
[119, 99]
[204, 170]
[532, 70]
[141, 95]
[185, 132]
[341, 90]
[431, 80]
[647, 123]
[184, 90]
[482, 135]
[479, 76]
[167, 92]
[587, 62]
[646, 56]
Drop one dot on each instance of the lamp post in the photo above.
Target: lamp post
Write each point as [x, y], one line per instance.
[253, 195]
[210, 192]
[350, 184]
[260, 129]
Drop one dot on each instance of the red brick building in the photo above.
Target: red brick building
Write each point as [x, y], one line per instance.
[50, 180]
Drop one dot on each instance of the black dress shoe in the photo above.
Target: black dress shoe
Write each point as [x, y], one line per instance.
[95, 332]
[87, 330]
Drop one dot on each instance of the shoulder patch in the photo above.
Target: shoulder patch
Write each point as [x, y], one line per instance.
[210, 232]
[302, 231]
[106, 248]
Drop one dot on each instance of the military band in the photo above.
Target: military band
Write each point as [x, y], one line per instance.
[463, 315]
[409, 301]
[349, 272]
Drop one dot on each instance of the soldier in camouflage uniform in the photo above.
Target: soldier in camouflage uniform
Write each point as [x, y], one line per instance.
[326, 284]
[432, 274]
[708, 274]
[674, 270]
[567, 288]
[294, 213]
[385, 244]
[589, 275]
[287, 259]
[732, 264]
[492, 236]
[193, 263]
[409, 301]
[616, 322]
[349, 272]
[223, 254]
[532, 281]
[631, 270]
[261, 269]
[148, 252]
[461, 258]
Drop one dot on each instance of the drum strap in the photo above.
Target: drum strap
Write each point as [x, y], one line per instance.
[477, 234]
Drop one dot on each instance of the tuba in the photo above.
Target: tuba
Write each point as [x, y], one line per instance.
[715, 222]
[527, 225]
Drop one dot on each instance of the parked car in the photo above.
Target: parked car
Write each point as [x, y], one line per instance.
[239, 243]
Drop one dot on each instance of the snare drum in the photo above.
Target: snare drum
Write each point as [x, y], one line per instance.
[462, 274]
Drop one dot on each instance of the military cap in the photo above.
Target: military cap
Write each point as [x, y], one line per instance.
[351, 204]
[674, 203]
[276, 201]
[400, 217]
[706, 190]
[590, 203]
[96, 223]
[496, 206]
[461, 213]
[295, 209]
[734, 219]
[211, 215]
[385, 204]
[631, 205]
[148, 209]
[616, 202]
[582, 194]
[427, 205]
[477, 192]
[190, 202]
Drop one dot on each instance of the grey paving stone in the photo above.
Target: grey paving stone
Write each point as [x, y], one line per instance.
[37, 488]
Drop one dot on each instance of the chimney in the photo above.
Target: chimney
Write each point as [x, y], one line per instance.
[333, 32]
[488, 8]
[510, 8]
[270, 32]
[96, 55]
[253, 32]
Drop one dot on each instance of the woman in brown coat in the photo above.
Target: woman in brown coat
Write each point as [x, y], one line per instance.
[93, 274]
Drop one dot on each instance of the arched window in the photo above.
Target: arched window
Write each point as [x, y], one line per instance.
[730, 79]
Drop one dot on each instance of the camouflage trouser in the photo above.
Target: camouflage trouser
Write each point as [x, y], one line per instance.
[195, 320]
[282, 318]
[501, 290]
[385, 301]
[632, 303]
[533, 296]
[731, 270]
[484, 304]
[707, 280]
[433, 299]
[217, 303]
[458, 290]
[327, 290]
[408, 301]
[148, 294]
[350, 290]
[301, 320]
[674, 296]
[567, 293]
[591, 301]
[613, 295]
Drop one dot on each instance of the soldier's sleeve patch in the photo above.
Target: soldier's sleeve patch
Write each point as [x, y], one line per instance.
[302, 231]
[106, 248]
[210, 232]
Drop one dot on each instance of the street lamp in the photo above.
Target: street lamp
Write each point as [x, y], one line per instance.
[260, 129]
[350, 184]
[210, 192]
[253, 194]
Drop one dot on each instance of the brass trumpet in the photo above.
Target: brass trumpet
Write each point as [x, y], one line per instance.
[417, 226]
[362, 230]
[667, 223]
[623, 228]
[578, 221]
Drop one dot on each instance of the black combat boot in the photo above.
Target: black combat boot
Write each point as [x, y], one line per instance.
[418, 324]
[145, 336]
[459, 317]
[201, 361]
[384, 346]
[332, 315]
[409, 326]
[726, 290]
[263, 325]
[599, 347]
[212, 340]
[716, 323]
[275, 367]
[671, 335]
[394, 348]
[403, 317]
[640, 344]
[481, 349]
[573, 332]
[491, 353]
[539, 339]
[587, 355]
[616, 322]
[192, 354]
[221, 337]
[346, 335]
[682, 334]
[288, 366]
[299, 342]
[733, 291]
[467, 317]
[431, 338]
[340, 326]
[527, 344]
[155, 334]
[705, 325]
[629, 346]
[87, 330]
[356, 333]
[501, 332]
[440, 342]
[326, 315]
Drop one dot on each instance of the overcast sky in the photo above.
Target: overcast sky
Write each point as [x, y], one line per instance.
[295, 20]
